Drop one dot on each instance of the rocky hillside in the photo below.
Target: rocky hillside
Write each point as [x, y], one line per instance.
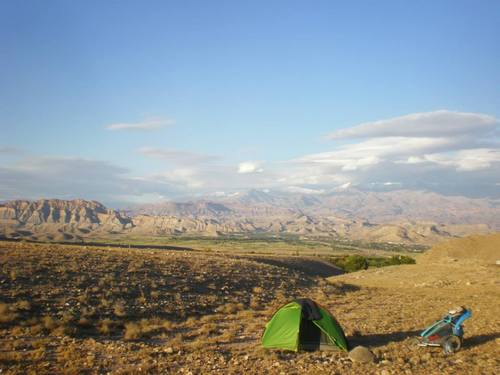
[76, 219]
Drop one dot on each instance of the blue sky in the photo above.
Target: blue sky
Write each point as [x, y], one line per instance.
[249, 87]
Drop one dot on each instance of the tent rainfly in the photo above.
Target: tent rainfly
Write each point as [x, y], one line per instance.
[303, 325]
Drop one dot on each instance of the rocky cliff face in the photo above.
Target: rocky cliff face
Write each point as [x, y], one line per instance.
[59, 219]
[58, 211]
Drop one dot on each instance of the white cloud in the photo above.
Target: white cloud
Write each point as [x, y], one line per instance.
[177, 156]
[391, 183]
[373, 151]
[428, 124]
[347, 185]
[304, 190]
[467, 160]
[424, 150]
[147, 124]
[250, 167]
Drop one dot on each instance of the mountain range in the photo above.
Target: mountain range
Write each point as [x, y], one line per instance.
[398, 216]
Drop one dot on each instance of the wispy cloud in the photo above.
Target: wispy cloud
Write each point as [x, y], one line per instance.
[177, 156]
[147, 124]
[70, 177]
[462, 159]
[10, 150]
[428, 124]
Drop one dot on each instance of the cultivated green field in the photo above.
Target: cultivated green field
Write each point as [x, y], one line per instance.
[267, 245]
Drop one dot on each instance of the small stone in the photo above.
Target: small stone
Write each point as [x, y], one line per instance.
[169, 350]
[361, 354]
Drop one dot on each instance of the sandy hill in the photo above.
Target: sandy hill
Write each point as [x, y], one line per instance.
[481, 248]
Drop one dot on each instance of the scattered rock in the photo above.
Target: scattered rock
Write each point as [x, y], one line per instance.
[169, 350]
[361, 354]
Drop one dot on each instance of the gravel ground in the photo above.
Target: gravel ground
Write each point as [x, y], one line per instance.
[68, 309]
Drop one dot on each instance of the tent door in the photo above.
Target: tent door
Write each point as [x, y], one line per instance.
[309, 335]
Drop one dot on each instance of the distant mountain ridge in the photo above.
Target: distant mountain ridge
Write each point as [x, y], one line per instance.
[353, 204]
[183, 209]
[413, 217]
[393, 206]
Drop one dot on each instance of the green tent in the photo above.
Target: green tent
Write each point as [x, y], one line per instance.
[302, 324]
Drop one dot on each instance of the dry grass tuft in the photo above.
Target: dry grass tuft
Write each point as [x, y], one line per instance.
[49, 323]
[7, 313]
[133, 331]
[119, 309]
[231, 308]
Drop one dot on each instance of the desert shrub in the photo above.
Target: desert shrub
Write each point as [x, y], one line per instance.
[68, 317]
[351, 263]
[401, 259]
[13, 275]
[133, 331]
[6, 313]
[49, 323]
[255, 303]
[230, 308]
[105, 326]
[354, 263]
[257, 290]
[167, 325]
[119, 309]
[83, 298]
[141, 300]
[84, 322]
[63, 330]
[392, 261]
[155, 294]
[23, 305]
[208, 329]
